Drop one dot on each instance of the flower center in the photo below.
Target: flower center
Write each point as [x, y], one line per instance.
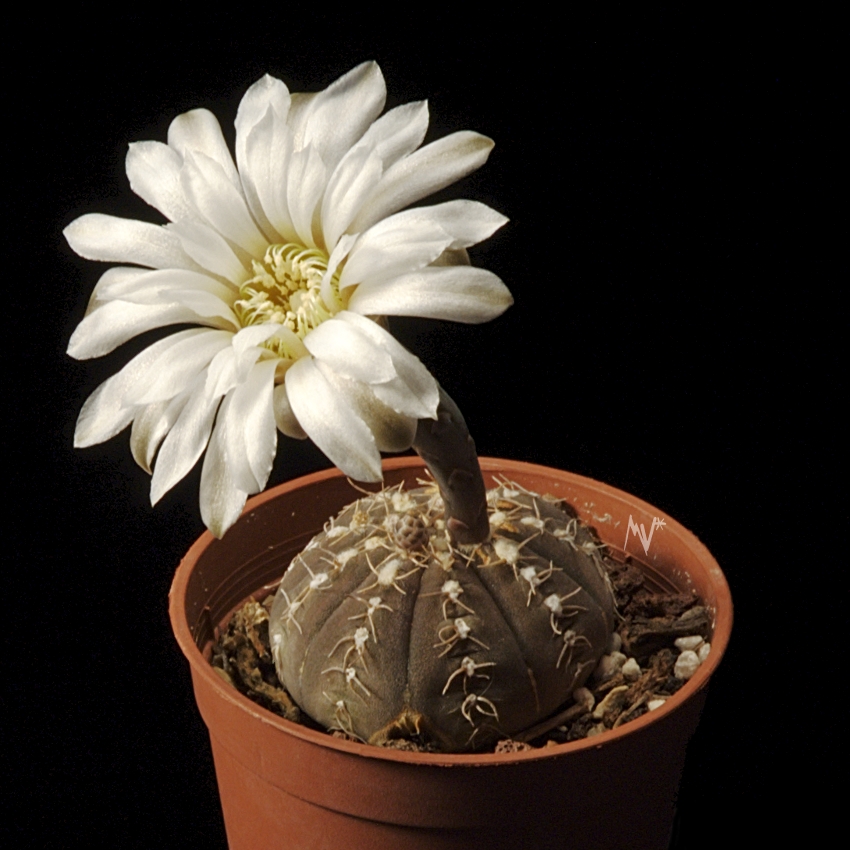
[287, 289]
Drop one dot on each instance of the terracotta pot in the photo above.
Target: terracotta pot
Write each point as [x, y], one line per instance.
[285, 786]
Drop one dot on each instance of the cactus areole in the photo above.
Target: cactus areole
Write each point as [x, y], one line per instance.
[446, 613]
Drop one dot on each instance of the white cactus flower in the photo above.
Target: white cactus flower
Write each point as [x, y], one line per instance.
[281, 260]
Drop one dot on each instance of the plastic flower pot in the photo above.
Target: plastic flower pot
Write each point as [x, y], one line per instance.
[285, 786]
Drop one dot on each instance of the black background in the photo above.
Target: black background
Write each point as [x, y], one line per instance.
[672, 185]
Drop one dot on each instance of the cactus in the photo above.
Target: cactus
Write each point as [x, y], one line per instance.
[397, 622]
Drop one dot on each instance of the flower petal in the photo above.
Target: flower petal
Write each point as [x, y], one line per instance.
[221, 500]
[238, 455]
[299, 111]
[392, 431]
[248, 339]
[340, 253]
[398, 132]
[231, 365]
[121, 240]
[292, 343]
[114, 323]
[102, 415]
[268, 93]
[306, 182]
[115, 278]
[468, 222]
[398, 396]
[209, 250]
[221, 203]
[414, 392]
[350, 184]
[392, 247]
[186, 440]
[105, 412]
[284, 417]
[130, 304]
[261, 118]
[412, 239]
[255, 438]
[198, 131]
[331, 424]
[177, 367]
[454, 293]
[339, 115]
[154, 173]
[268, 148]
[348, 351]
[150, 427]
[209, 309]
[425, 171]
[153, 287]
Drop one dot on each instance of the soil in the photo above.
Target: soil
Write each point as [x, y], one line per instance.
[650, 622]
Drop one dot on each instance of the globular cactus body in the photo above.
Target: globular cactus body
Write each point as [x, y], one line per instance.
[382, 629]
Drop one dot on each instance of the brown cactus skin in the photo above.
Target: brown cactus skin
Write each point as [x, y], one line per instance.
[388, 626]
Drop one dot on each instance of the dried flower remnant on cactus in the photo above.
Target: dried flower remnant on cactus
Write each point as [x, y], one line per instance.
[281, 261]
[383, 628]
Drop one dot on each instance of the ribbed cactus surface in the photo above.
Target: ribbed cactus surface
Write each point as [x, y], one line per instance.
[382, 629]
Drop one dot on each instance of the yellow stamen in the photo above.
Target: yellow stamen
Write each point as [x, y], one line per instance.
[287, 289]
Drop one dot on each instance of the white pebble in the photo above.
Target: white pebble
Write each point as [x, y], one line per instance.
[583, 696]
[655, 703]
[631, 670]
[609, 665]
[702, 652]
[611, 698]
[686, 665]
[693, 642]
[615, 642]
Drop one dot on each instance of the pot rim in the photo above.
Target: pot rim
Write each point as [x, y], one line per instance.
[722, 611]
